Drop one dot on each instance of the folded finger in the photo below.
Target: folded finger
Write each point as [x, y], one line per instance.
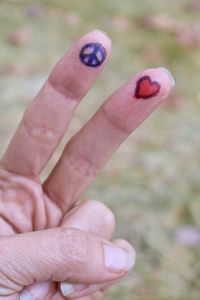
[89, 216]
[59, 255]
[94, 144]
[46, 119]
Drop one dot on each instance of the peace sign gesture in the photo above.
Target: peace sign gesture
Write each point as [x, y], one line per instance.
[71, 242]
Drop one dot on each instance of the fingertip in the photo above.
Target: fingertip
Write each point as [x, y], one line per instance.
[167, 82]
[68, 289]
[78, 69]
[92, 216]
[100, 41]
[102, 33]
[169, 74]
[153, 83]
[128, 247]
[105, 218]
[37, 290]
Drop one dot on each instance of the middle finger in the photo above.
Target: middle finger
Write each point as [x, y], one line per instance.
[94, 144]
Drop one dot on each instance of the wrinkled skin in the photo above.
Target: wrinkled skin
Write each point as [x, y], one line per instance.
[23, 205]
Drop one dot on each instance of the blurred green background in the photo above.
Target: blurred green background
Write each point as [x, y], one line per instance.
[153, 181]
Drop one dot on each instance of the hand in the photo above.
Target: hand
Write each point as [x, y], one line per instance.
[27, 205]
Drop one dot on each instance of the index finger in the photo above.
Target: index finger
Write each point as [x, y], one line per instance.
[46, 119]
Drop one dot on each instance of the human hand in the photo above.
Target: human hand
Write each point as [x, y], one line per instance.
[27, 205]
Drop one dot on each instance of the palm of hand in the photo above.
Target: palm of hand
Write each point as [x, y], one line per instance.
[23, 205]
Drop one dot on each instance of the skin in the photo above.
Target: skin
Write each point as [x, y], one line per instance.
[46, 235]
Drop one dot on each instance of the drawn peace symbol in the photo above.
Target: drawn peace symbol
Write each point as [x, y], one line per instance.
[92, 54]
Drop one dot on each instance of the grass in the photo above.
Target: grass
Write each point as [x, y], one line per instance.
[152, 182]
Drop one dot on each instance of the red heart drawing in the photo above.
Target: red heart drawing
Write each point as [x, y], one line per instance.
[146, 88]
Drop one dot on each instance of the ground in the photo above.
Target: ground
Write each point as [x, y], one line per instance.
[152, 182]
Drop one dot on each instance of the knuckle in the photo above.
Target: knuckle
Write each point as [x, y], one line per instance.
[110, 219]
[39, 131]
[37, 126]
[74, 245]
[99, 218]
[103, 211]
[82, 164]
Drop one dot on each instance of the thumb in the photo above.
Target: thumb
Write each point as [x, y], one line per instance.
[59, 255]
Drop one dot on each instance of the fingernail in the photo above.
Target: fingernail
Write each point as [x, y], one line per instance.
[68, 289]
[35, 291]
[169, 74]
[117, 259]
[104, 32]
[25, 295]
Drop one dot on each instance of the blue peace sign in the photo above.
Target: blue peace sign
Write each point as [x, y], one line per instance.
[92, 54]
